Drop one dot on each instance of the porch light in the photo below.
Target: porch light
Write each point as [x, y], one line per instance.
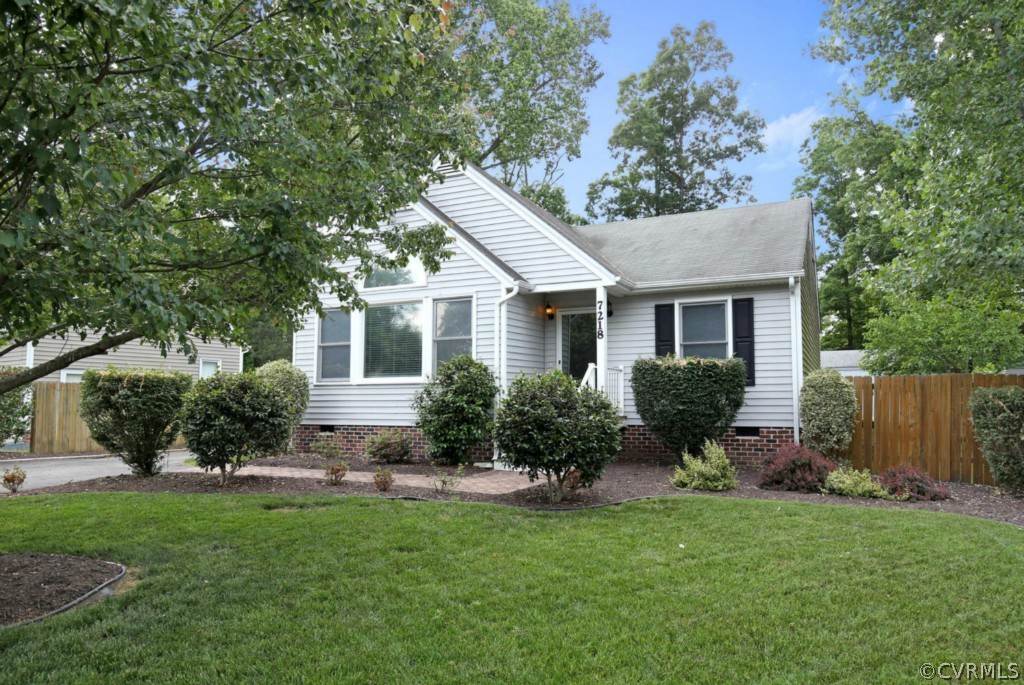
[549, 310]
[610, 312]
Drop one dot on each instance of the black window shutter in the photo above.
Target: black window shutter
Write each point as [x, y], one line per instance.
[664, 329]
[743, 333]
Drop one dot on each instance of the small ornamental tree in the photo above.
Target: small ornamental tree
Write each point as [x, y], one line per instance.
[135, 414]
[15, 408]
[548, 426]
[455, 409]
[828, 409]
[292, 383]
[998, 418]
[685, 402]
[232, 418]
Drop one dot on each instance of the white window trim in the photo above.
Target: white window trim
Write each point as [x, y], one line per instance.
[64, 374]
[722, 299]
[472, 323]
[316, 349]
[359, 341]
[397, 288]
[202, 361]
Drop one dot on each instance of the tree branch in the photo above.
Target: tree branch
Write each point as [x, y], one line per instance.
[66, 360]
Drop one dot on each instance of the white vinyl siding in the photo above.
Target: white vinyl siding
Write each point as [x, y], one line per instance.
[505, 233]
[134, 355]
[525, 320]
[372, 402]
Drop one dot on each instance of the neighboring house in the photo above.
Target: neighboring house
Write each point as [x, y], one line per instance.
[212, 357]
[525, 292]
[847, 362]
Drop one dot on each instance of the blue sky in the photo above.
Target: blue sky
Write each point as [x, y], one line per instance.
[769, 42]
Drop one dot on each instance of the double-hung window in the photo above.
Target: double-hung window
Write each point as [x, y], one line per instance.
[704, 330]
[453, 329]
[335, 353]
[393, 341]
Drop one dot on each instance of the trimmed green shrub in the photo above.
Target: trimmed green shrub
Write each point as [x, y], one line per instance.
[828, 412]
[455, 409]
[390, 446]
[998, 418]
[684, 402]
[911, 484]
[853, 483]
[134, 414]
[232, 418]
[713, 472]
[292, 383]
[796, 468]
[15, 408]
[326, 447]
[548, 426]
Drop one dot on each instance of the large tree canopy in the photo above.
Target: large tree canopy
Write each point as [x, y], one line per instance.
[530, 70]
[181, 169]
[682, 127]
[960, 234]
[848, 163]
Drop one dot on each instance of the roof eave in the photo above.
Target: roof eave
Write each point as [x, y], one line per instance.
[724, 281]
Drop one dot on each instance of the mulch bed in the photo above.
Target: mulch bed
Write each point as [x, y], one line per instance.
[621, 481]
[36, 584]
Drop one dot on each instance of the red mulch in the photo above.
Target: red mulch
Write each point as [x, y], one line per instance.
[621, 481]
[36, 584]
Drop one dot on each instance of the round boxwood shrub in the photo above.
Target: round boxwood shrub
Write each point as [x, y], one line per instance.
[15, 408]
[548, 426]
[998, 418]
[292, 383]
[455, 408]
[134, 414]
[232, 418]
[685, 402]
[828, 412]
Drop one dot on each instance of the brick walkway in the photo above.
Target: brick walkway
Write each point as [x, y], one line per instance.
[492, 483]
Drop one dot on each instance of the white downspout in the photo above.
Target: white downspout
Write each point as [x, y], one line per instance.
[30, 355]
[501, 347]
[797, 353]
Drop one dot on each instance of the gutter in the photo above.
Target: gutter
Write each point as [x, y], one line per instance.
[655, 286]
[796, 347]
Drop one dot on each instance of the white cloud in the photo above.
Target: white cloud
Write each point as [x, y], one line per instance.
[790, 131]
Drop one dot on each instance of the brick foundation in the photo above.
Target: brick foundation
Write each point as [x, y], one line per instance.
[352, 438]
[637, 442]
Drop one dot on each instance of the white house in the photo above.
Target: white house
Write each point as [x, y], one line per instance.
[526, 292]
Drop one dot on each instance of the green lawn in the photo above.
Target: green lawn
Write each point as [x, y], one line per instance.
[238, 589]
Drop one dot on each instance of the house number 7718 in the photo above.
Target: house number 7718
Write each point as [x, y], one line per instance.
[600, 320]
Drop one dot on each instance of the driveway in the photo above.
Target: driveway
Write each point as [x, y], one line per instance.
[42, 473]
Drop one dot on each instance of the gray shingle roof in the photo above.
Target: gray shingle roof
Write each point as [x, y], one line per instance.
[741, 242]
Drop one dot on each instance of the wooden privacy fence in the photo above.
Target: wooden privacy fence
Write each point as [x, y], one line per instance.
[923, 421]
[57, 426]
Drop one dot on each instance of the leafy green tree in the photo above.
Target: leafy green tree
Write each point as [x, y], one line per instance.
[966, 334]
[958, 63]
[848, 163]
[180, 170]
[530, 69]
[552, 198]
[682, 127]
[15, 409]
[269, 341]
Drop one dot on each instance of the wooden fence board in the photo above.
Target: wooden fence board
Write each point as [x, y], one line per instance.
[57, 426]
[923, 421]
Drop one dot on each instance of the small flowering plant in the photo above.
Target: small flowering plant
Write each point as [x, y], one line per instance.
[335, 473]
[13, 479]
[383, 479]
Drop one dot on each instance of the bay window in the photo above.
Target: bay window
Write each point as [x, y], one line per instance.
[393, 341]
[335, 350]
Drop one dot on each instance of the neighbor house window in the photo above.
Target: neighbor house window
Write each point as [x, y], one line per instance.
[393, 342]
[208, 367]
[411, 274]
[335, 346]
[71, 375]
[703, 330]
[453, 329]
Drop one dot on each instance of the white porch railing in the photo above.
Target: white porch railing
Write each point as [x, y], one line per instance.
[615, 384]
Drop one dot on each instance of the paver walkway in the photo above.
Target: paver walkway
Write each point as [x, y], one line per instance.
[492, 483]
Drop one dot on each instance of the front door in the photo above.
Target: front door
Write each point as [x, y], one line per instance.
[577, 339]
